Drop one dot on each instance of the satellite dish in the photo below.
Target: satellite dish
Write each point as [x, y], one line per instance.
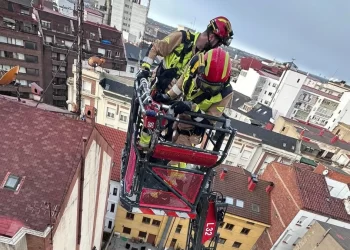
[10, 76]
[325, 172]
[95, 61]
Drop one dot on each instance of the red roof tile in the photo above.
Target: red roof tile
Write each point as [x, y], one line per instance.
[235, 185]
[116, 139]
[333, 174]
[43, 149]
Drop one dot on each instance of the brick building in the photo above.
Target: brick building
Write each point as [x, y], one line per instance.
[20, 44]
[299, 198]
[45, 37]
[54, 180]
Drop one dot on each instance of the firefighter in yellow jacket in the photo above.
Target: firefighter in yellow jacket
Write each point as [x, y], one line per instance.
[177, 49]
[205, 86]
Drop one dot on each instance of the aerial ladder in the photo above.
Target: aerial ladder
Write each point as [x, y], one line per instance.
[150, 185]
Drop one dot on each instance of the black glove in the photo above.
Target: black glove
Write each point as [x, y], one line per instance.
[181, 107]
[144, 73]
[162, 97]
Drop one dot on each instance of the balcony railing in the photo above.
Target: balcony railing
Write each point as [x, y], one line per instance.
[59, 97]
[59, 74]
[59, 86]
[59, 63]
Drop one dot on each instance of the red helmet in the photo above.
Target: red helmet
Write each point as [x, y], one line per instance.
[217, 67]
[221, 27]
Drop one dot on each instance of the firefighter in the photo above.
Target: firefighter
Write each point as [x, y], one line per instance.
[177, 49]
[205, 86]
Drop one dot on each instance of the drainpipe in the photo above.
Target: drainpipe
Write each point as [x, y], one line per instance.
[81, 189]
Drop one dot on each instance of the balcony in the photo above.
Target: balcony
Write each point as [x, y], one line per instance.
[59, 74]
[59, 98]
[59, 86]
[59, 63]
[59, 50]
[303, 106]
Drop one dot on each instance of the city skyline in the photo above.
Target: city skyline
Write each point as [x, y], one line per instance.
[311, 32]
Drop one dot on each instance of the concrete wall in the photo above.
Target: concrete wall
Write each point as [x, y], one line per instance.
[246, 82]
[21, 245]
[138, 20]
[64, 238]
[112, 199]
[314, 239]
[117, 14]
[343, 132]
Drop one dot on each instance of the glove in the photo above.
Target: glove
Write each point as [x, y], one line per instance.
[144, 73]
[180, 107]
[162, 97]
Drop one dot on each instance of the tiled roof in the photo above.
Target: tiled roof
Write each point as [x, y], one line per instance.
[44, 150]
[240, 191]
[333, 173]
[116, 139]
[313, 192]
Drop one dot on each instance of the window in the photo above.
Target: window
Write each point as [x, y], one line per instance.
[110, 113]
[48, 39]
[221, 225]
[92, 35]
[32, 59]
[34, 72]
[66, 29]
[301, 220]
[298, 80]
[110, 224]
[255, 208]
[62, 57]
[87, 86]
[229, 200]
[284, 128]
[311, 223]
[146, 220]
[250, 223]
[123, 117]
[265, 92]
[101, 51]
[330, 188]
[221, 241]
[142, 234]
[178, 229]
[115, 191]
[296, 242]
[156, 223]
[246, 155]
[12, 182]
[25, 11]
[68, 43]
[229, 226]
[126, 230]
[270, 94]
[21, 69]
[109, 53]
[173, 242]
[112, 208]
[29, 45]
[46, 24]
[237, 244]
[274, 85]
[117, 54]
[23, 82]
[287, 238]
[132, 69]
[245, 231]
[239, 203]
[130, 216]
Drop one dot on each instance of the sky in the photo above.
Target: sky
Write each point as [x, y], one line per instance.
[316, 33]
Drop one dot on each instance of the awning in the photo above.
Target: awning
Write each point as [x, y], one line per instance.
[308, 161]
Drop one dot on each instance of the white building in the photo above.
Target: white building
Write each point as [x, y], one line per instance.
[56, 187]
[130, 16]
[301, 97]
[260, 86]
[107, 95]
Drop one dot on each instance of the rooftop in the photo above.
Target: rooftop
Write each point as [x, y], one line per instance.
[42, 149]
[333, 173]
[319, 92]
[312, 191]
[133, 52]
[258, 197]
[313, 133]
[117, 87]
[116, 139]
[339, 234]
[268, 137]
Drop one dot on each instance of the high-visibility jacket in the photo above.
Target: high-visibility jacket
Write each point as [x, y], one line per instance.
[177, 49]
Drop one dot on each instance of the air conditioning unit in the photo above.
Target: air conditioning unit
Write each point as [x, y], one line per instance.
[116, 234]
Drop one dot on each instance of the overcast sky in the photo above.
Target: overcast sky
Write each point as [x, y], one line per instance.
[314, 32]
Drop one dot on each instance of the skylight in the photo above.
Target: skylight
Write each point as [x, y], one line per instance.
[12, 182]
[237, 100]
[258, 110]
[264, 112]
[229, 200]
[239, 203]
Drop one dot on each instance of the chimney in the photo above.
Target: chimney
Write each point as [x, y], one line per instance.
[334, 139]
[36, 91]
[321, 132]
[270, 187]
[223, 173]
[252, 181]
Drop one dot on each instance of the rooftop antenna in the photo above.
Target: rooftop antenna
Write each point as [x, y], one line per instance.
[80, 10]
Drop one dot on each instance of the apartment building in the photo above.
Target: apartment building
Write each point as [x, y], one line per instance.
[254, 148]
[300, 198]
[130, 16]
[258, 85]
[343, 131]
[54, 179]
[305, 98]
[20, 45]
[246, 219]
[317, 143]
[105, 98]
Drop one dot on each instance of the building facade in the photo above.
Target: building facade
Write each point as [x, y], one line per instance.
[57, 187]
